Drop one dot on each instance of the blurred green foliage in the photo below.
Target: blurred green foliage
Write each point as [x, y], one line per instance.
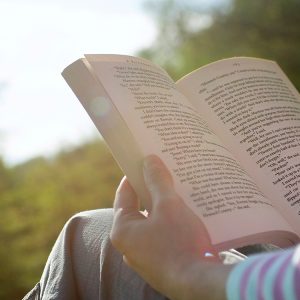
[261, 28]
[37, 197]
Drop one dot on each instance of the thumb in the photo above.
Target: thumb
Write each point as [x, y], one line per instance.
[158, 179]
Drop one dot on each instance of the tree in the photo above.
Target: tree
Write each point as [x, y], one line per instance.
[38, 197]
[262, 28]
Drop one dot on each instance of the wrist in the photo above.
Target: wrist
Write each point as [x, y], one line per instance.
[201, 280]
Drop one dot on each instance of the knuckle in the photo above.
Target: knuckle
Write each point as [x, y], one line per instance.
[116, 237]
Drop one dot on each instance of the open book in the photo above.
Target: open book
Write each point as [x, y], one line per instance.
[229, 133]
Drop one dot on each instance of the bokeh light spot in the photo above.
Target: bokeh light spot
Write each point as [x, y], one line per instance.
[100, 106]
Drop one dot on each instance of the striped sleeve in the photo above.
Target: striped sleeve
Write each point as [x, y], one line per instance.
[270, 276]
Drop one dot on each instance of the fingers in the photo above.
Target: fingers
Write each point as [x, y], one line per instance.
[128, 220]
[126, 198]
[157, 178]
[126, 216]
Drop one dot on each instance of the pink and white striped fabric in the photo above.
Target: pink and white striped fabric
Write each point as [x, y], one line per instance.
[274, 276]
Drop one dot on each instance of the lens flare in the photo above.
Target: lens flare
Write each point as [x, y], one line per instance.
[100, 106]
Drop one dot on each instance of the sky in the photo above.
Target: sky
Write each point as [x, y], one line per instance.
[38, 112]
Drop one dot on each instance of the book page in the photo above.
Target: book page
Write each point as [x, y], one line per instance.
[206, 175]
[108, 121]
[254, 108]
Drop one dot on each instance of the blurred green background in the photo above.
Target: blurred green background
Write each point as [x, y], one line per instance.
[39, 195]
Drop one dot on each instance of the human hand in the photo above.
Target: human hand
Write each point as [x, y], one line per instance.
[168, 246]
